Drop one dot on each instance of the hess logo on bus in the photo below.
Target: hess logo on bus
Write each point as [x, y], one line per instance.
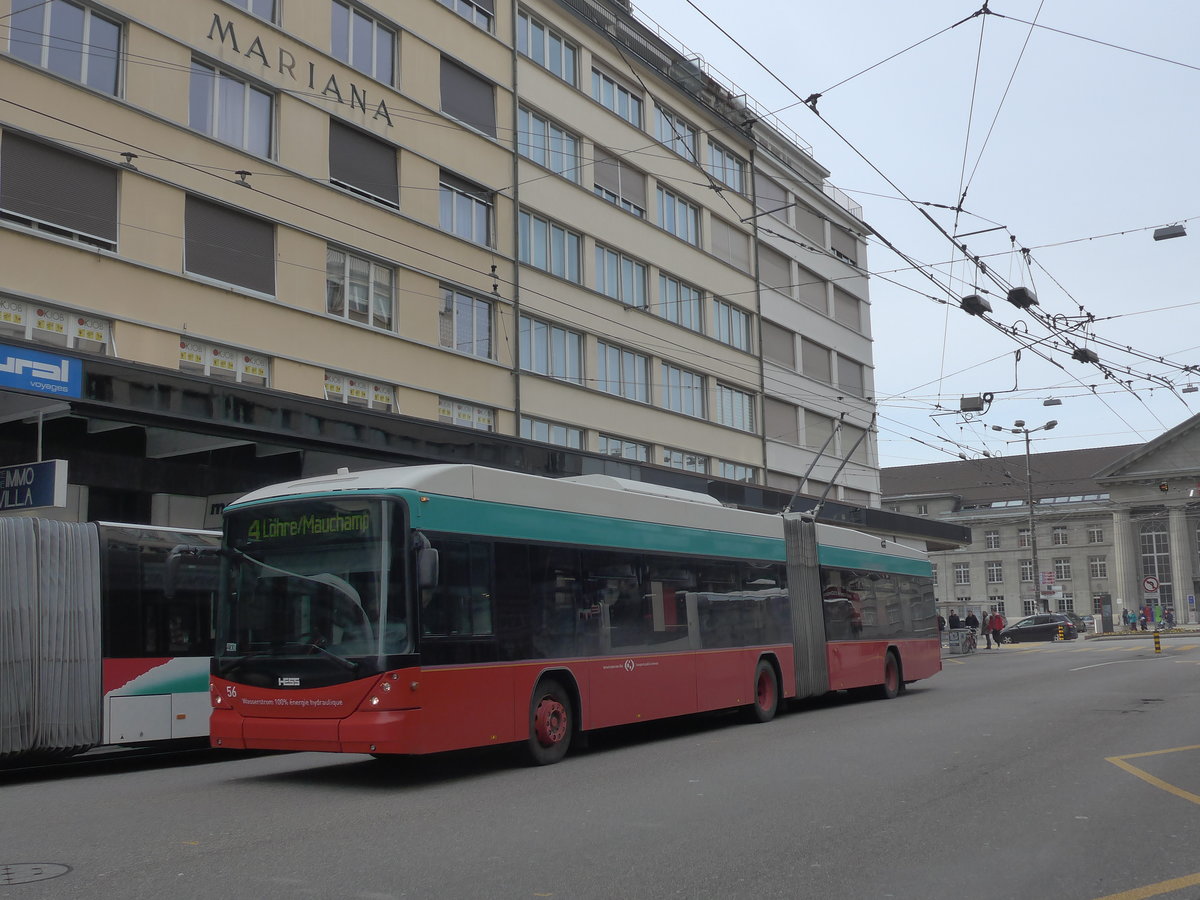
[289, 681]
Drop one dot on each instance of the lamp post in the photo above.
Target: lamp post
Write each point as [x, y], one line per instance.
[1019, 428]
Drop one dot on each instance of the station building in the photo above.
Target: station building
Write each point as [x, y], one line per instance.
[245, 241]
[1116, 528]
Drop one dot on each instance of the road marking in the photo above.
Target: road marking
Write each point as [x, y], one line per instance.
[1155, 890]
[1112, 662]
[1120, 762]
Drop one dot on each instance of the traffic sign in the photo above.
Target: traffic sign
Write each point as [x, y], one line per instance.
[1150, 584]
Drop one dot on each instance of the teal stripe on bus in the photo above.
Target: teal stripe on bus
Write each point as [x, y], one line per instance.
[845, 558]
[454, 514]
[459, 515]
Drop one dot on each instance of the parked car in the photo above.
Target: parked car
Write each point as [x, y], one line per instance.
[1079, 622]
[1089, 624]
[1040, 627]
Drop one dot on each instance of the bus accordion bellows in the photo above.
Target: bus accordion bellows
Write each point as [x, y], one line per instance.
[416, 610]
[96, 648]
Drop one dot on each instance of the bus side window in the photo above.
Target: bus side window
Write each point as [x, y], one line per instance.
[461, 603]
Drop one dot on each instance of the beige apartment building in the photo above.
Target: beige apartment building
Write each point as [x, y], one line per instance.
[251, 240]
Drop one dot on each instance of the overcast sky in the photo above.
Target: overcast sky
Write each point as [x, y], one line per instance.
[1092, 148]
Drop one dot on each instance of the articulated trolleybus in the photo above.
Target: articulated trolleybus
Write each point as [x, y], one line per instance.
[432, 608]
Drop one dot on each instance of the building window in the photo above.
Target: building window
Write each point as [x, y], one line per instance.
[1058, 535]
[996, 603]
[1156, 559]
[735, 408]
[850, 376]
[620, 277]
[1023, 537]
[546, 47]
[551, 350]
[922, 509]
[363, 164]
[480, 12]
[619, 183]
[771, 197]
[230, 109]
[935, 572]
[51, 325]
[625, 449]
[1097, 605]
[1066, 602]
[1097, 567]
[264, 9]
[737, 471]
[466, 415]
[679, 217]
[729, 244]
[615, 97]
[815, 361]
[228, 246]
[991, 540]
[551, 433]
[731, 325]
[962, 573]
[1095, 534]
[622, 372]
[682, 459]
[843, 243]
[363, 43]
[468, 98]
[676, 133]
[1026, 566]
[358, 289]
[847, 309]
[67, 39]
[727, 166]
[1029, 607]
[548, 144]
[225, 363]
[818, 430]
[683, 391]
[995, 572]
[679, 302]
[466, 210]
[59, 193]
[356, 391]
[549, 246]
[465, 323]
[1062, 569]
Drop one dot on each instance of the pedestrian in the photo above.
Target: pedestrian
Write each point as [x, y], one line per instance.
[941, 623]
[997, 624]
[972, 621]
[955, 621]
[987, 628]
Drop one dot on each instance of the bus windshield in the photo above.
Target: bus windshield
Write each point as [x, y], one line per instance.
[313, 578]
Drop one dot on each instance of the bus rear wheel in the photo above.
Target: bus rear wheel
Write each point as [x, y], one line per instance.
[890, 688]
[766, 693]
[550, 723]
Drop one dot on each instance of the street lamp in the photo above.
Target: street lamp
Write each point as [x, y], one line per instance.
[1019, 428]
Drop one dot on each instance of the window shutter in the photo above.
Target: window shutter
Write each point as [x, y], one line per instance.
[229, 246]
[363, 163]
[468, 98]
[40, 182]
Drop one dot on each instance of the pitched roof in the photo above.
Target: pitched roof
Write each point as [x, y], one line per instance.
[1057, 474]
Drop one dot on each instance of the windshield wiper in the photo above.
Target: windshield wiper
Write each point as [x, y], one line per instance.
[340, 660]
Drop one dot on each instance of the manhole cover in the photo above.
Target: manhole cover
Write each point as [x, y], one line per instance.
[23, 873]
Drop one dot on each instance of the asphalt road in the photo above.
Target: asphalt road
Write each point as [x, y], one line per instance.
[1013, 774]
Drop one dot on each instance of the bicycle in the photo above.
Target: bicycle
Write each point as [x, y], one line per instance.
[970, 644]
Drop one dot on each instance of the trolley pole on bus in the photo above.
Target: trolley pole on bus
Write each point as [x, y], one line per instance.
[1043, 605]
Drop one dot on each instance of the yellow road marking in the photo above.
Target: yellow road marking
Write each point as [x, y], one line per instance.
[1121, 763]
[1154, 890]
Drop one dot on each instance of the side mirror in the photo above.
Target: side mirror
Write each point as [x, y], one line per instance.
[427, 567]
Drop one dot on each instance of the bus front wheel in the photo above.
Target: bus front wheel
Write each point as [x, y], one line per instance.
[891, 677]
[550, 723]
[766, 693]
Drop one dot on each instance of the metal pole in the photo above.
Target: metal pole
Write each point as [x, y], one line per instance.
[1043, 605]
